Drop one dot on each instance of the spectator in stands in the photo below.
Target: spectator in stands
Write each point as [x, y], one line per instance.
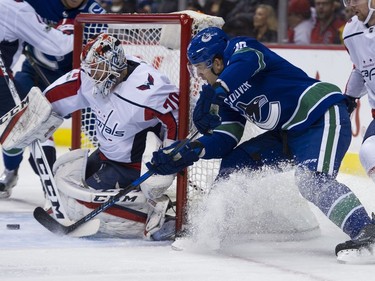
[219, 8]
[300, 22]
[145, 6]
[239, 25]
[249, 6]
[122, 6]
[265, 24]
[328, 23]
[194, 5]
[167, 6]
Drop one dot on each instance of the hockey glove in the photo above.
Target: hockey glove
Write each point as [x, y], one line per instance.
[163, 163]
[204, 119]
[351, 103]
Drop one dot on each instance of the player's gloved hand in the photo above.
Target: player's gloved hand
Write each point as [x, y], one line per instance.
[351, 103]
[203, 116]
[163, 163]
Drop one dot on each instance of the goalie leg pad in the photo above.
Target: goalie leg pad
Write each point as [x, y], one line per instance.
[156, 215]
[36, 122]
[69, 171]
[78, 198]
[156, 185]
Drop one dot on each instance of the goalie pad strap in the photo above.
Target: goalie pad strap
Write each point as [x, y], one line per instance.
[119, 211]
[135, 165]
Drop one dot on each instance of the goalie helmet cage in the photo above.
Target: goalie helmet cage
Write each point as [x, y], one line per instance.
[160, 39]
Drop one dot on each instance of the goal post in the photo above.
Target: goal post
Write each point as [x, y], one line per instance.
[162, 40]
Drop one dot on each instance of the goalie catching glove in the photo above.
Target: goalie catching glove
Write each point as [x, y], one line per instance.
[163, 163]
[36, 122]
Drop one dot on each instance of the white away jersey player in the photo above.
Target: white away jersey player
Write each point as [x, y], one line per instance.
[143, 101]
[360, 42]
[19, 22]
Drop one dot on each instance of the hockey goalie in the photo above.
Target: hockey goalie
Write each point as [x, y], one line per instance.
[134, 104]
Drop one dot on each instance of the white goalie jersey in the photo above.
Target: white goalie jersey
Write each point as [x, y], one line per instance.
[144, 99]
[360, 42]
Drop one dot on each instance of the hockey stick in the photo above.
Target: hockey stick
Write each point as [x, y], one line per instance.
[19, 105]
[54, 226]
[36, 66]
[44, 170]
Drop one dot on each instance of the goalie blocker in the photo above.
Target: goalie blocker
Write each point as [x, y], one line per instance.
[36, 121]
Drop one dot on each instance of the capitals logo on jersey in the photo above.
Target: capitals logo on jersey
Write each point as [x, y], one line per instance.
[146, 85]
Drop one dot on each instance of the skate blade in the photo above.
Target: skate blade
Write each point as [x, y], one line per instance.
[356, 256]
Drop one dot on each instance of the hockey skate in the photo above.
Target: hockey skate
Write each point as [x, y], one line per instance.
[360, 249]
[8, 180]
[167, 231]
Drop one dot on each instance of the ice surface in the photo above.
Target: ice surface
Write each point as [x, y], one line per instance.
[32, 253]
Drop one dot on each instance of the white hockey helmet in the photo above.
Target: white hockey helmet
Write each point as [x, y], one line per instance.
[348, 3]
[103, 59]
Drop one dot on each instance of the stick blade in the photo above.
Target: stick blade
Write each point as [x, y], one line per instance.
[87, 229]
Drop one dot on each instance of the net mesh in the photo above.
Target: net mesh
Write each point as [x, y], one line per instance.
[157, 43]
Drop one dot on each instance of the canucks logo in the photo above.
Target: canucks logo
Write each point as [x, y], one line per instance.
[256, 112]
[206, 37]
[147, 84]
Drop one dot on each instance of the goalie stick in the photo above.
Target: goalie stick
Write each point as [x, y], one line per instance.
[45, 172]
[54, 226]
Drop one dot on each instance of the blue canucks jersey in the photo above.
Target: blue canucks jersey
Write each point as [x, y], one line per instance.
[271, 92]
[266, 89]
[55, 11]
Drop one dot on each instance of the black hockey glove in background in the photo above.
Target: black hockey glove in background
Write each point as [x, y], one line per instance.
[351, 103]
[164, 164]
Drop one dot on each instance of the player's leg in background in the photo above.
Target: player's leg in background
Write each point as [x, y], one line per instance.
[319, 151]
[366, 152]
[24, 80]
[9, 177]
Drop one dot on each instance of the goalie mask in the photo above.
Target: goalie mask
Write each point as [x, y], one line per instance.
[103, 59]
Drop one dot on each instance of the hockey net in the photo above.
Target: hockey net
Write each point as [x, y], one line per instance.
[162, 40]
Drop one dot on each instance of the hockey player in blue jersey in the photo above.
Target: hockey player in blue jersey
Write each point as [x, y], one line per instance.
[59, 14]
[306, 122]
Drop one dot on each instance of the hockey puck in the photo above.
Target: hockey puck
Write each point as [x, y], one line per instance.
[13, 226]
